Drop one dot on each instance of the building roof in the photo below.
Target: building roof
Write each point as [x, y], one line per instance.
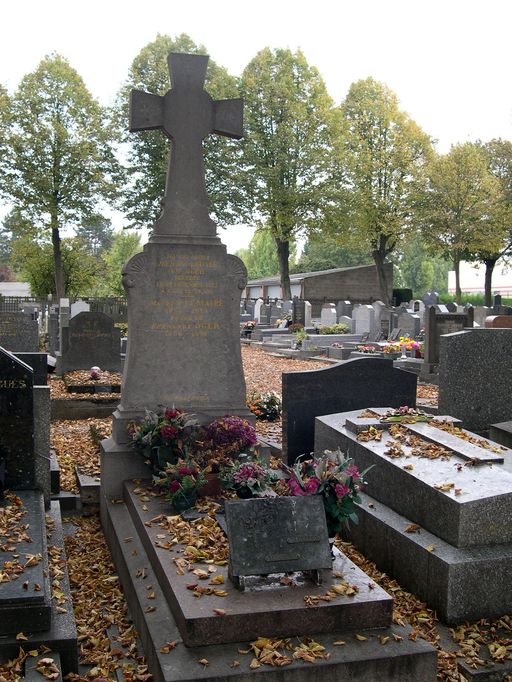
[15, 289]
[298, 277]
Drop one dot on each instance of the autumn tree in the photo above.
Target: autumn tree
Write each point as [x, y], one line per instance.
[458, 206]
[288, 130]
[148, 153]
[59, 153]
[499, 163]
[380, 153]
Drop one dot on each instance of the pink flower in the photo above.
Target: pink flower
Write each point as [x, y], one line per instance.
[185, 471]
[295, 488]
[312, 486]
[352, 471]
[168, 431]
[174, 487]
[171, 413]
[341, 490]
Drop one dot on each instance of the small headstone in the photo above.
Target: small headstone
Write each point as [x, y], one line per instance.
[451, 307]
[438, 324]
[328, 314]
[363, 316]
[395, 334]
[79, 307]
[91, 339]
[19, 332]
[344, 308]
[257, 309]
[431, 298]
[277, 535]
[16, 422]
[409, 324]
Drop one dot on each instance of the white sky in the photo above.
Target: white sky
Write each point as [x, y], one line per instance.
[449, 61]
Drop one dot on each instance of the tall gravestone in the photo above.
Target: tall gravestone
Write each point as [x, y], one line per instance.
[19, 332]
[183, 290]
[89, 339]
[16, 422]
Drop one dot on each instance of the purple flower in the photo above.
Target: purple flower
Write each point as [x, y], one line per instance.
[353, 472]
[341, 490]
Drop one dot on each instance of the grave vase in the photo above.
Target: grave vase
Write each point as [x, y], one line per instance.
[212, 487]
[244, 492]
[185, 501]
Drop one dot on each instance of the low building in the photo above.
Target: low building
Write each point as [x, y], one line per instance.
[358, 284]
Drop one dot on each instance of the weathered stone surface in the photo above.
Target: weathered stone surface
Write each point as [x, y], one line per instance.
[277, 535]
[475, 377]
[19, 332]
[27, 610]
[366, 661]
[352, 385]
[90, 339]
[16, 422]
[251, 613]
[460, 584]
[467, 519]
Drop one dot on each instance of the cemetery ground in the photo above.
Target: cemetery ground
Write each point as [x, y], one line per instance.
[109, 648]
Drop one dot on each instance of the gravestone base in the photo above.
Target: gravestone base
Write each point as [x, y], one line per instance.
[358, 660]
[441, 545]
[119, 462]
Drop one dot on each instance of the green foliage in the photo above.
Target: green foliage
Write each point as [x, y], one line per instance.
[471, 299]
[286, 148]
[124, 246]
[459, 206]
[35, 262]
[96, 232]
[59, 153]
[5, 120]
[322, 252]
[260, 257]
[381, 153]
[334, 329]
[416, 268]
[148, 151]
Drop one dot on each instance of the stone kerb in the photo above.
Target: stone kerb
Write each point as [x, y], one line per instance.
[475, 377]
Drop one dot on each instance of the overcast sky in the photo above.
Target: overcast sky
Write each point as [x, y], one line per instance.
[449, 61]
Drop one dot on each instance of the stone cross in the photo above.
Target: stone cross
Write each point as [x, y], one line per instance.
[186, 114]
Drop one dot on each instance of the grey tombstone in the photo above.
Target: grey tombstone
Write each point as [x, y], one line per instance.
[90, 339]
[249, 308]
[173, 358]
[79, 307]
[328, 315]
[276, 313]
[364, 317]
[409, 324]
[379, 308]
[430, 298]
[451, 307]
[344, 308]
[395, 334]
[19, 332]
[307, 313]
[438, 324]
[351, 385]
[287, 307]
[442, 309]
[265, 311]
[17, 422]
[475, 377]
[64, 315]
[257, 309]
[53, 330]
[276, 535]
[344, 319]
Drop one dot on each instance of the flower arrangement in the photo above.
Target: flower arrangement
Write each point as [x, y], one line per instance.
[231, 432]
[410, 344]
[336, 479]
[248, 478]
[249, 325]
[367, 349]
[391, 348]
[164, 436]
[295, 327]
[95, 373]
[181, 481]
[266, 406]
[405, 415]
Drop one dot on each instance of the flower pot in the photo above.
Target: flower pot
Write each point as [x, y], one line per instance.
[212, 488]
[244, 493]
[183, 502]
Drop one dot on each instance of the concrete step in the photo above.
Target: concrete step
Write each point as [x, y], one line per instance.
[448, 578]
[89, 487]
[45, 660]
[360, 660]
[70, 503]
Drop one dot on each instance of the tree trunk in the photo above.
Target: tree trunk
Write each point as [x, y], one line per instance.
[489, 269]
[283, 255]
[60, 288]
[378, 258]
[456, 267]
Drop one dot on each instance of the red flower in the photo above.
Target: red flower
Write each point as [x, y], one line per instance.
[341, 490]
[185, 471]
[175, 486]
[168, 431]
[171, 413]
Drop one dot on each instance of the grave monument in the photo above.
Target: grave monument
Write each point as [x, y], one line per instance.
[193, 360]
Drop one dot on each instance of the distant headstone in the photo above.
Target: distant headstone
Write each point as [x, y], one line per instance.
[499, 321]
[277, 535]
[409, 324]
[439, 324]
[19, 332]
[395, 334]
[328, 315]
[344, 308]
[364, 317]
[79, 307]
[90, 339]
[431, 298]
[355, 384]
[475, 377]
[16, 422]
[257, 309]
[451, 307]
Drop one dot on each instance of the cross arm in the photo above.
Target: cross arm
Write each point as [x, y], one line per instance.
[228, 117]
[146, 111]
